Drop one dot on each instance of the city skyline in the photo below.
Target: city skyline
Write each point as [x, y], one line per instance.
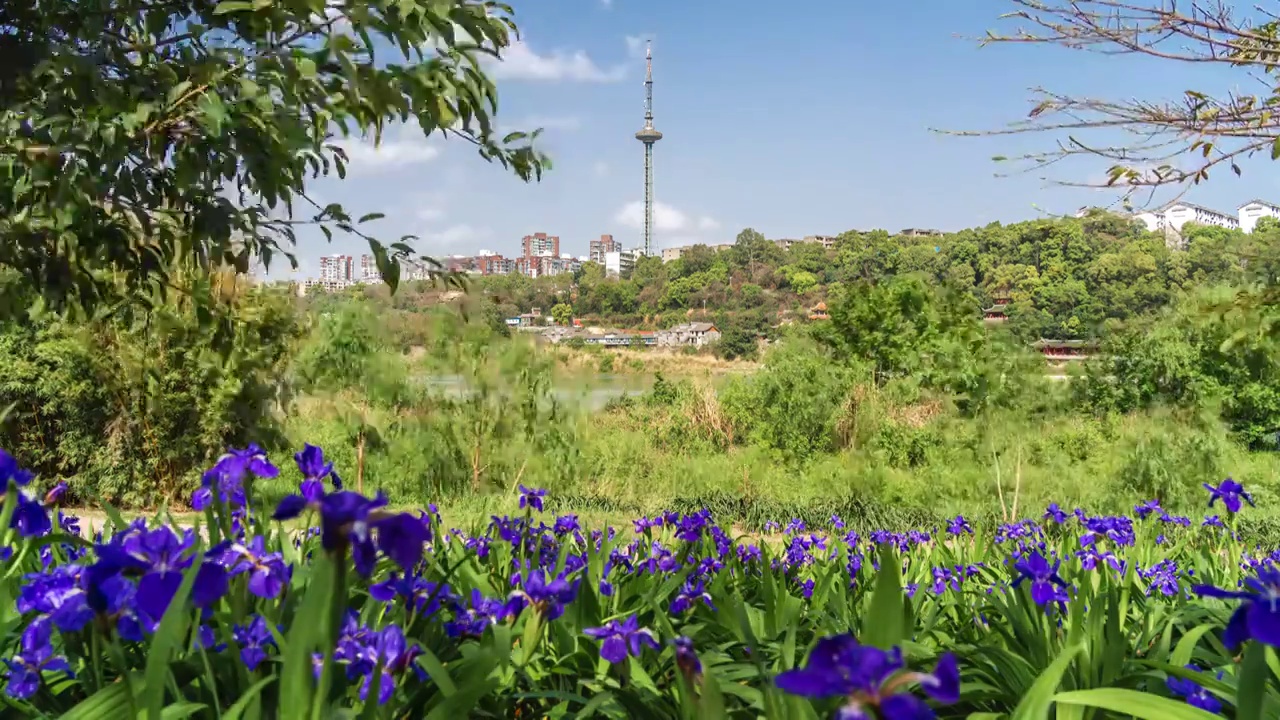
[788, 143]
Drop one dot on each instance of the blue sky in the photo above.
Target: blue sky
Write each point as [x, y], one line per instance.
[792, 118]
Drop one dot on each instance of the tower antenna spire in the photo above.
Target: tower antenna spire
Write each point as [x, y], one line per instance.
[648, 136]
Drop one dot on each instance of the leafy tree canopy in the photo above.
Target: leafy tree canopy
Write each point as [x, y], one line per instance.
[137, 136]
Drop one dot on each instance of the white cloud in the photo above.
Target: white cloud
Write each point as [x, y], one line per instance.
[459, 234]
[708, 223]
[428, 214]
[409, 148]
[520, 62]
[665, 217]
[601, 168]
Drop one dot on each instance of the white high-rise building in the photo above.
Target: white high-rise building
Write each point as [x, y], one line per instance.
[1253, 211]
[620, 263]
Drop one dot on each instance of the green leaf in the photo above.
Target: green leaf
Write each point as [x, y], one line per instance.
[110, 702]
[1036, 703]
[235, 711]
[177, 711]
[296, 676]
[1251, 686]
[1186, 647]
[230, 6]
[370, 216]
[883, 626]
[1140, 705]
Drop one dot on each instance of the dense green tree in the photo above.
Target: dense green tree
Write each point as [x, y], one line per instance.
[562, 313]
[197, 123]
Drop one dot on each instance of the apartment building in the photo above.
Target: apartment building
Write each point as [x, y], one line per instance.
[541, 245]
[1251, 212]
[617, 264]
[605, 245]
[337, 269]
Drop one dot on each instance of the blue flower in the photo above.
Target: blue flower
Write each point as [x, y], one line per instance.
[1044, 578]
[530, 498]
[1194, 693]
[253, 640]
[547, 598]
[159, 557]
[422, 596]
[56, 493]
[869, 677]
[959, 525]
[227, 477]
[268, 573]
[30, 518]
[1055, 514]
[1147, 508]
[350, 520]
[314, 469]
[619, 638]
[472, 621]
[1230, 493]
[35, 657]
[396, 656]
[11, 471]
[1258, 617]
[687, 659]
[693, 592]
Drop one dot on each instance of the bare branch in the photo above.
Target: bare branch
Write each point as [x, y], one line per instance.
[1147, 139]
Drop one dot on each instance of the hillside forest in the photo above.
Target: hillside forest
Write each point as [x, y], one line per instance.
[904, 403]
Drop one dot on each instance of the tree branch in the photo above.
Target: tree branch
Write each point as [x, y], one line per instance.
[1216, 130]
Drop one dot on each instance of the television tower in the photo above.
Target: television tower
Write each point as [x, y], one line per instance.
[648, 136]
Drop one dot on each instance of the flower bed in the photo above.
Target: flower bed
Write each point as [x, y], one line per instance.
[386, 614]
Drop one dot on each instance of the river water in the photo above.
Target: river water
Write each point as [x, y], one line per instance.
[591, 392]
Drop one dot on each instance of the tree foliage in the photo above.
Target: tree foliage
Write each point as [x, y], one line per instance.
[1063, 277]
[136, 136]
[131, 408]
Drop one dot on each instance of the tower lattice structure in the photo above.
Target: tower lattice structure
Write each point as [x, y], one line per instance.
[648, 135]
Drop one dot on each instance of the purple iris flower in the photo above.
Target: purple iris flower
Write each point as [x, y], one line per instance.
[56, 596]
[268, 572]
[159, 557]
[35, 657]
[1230, 493]
[253, 640]
[349, 519]
[396, 655]
[870, 679]
[1055, 514]
[56, 493]
[531, 498]
[959, 525]
[30, 518]
[226, 477]
[483, 612]
[423, 596]
[693, 592]
[314, 469]
[1147, 508]
[11, 471]
[1194, 693]
[687, 659]
[1043, 576]
[1258, 616]
[619, 638]
[546, 597]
